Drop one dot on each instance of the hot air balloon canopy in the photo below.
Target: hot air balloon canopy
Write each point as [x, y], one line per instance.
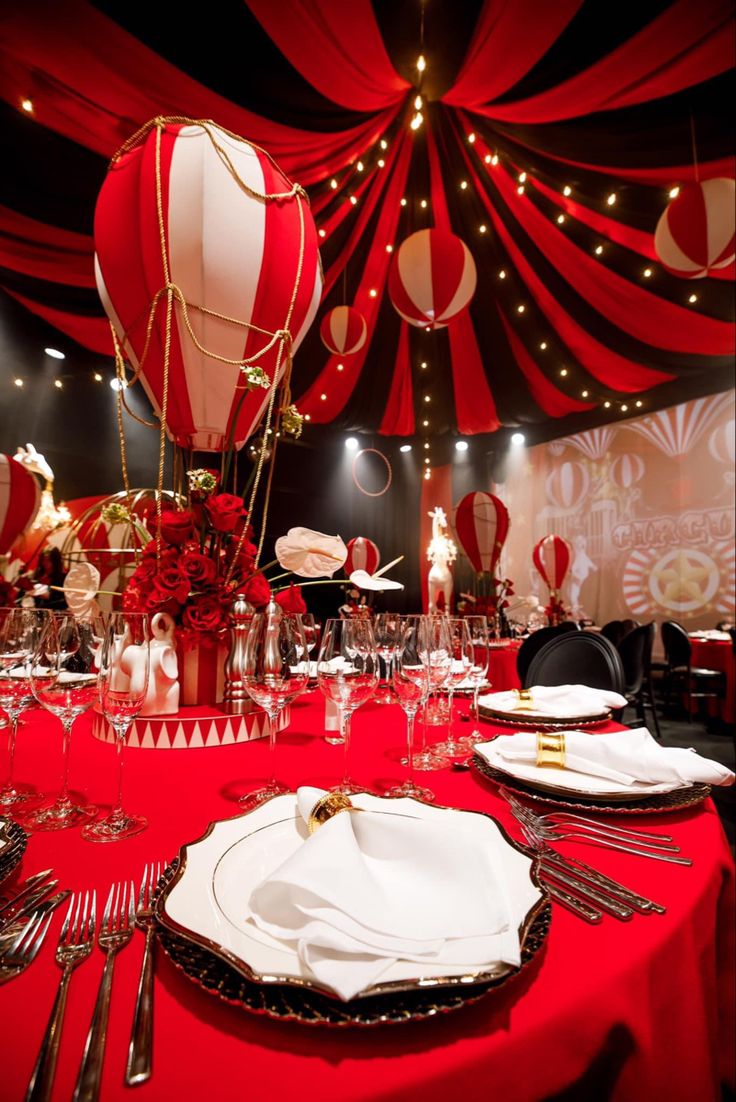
[197, 213]
[363, 554]
[482, 524]
[552, 556]
[20, 497]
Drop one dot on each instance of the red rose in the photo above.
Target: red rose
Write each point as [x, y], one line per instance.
[200, 569]
[291, 599]
[177, 526]
[257, 591]
[205, 614]
[172, 582]
[224, 511]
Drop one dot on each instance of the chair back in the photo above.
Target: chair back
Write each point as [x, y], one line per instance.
[613, 631]
[535, 641]
[635, 652]
[629, 625]
[577, 658]
[677, 647]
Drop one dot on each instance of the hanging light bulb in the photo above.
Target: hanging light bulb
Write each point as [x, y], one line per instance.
[418, 103]
[417, 121]
[421, 63]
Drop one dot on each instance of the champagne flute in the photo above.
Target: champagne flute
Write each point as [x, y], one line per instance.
[275, 672]
[347, 674]
[410, 679]
[386, 631]
[481, 653]
[435, 652]
[461, 663]
[63, 678]
[20, 629]
[124, 671]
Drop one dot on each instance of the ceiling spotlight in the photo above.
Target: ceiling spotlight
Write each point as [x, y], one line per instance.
[405, 448]
[543, 345]
[502, 274]
[27, 105]
[351, 444]
[425, 424]
[58, 384]
[518, 438]
[461, 445]
[427, 398]
[424, 364]
[482, 228]
[606, 405]
[18, 382]
[55, 353]
[624, 408]
[116, 384]
[639, 404]
[464, 185]
[520, 308]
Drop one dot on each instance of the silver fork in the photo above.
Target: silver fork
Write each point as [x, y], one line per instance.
[567, 819]
[116, 930]
[140, 1051]
[549, 834]
[75, 945]
[24, 949]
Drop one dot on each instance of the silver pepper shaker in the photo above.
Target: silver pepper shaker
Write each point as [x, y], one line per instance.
[236, 700]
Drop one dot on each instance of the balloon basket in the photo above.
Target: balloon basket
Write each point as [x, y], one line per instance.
[193, 728]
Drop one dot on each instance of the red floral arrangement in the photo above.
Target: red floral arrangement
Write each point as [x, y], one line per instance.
[555, 611]
[490, 603]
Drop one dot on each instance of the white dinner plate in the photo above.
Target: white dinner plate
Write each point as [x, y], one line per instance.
[218, 872]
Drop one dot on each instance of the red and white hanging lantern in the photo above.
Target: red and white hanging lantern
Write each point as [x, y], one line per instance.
[363, 554]
[696, 234]
[627, 470]
[482, 525]
[432, 278]
[552, 556]
[20, 497]
[343, 330]
[235, 259]
[567, 484]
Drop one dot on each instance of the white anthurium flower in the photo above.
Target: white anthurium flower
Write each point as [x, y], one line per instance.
[80, 589]
[364, 580]
[310, 554]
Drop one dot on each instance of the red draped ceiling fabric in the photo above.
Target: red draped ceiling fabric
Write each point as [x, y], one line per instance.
[93, 83]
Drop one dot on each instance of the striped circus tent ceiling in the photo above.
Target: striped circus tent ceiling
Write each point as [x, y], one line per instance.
[548, 145]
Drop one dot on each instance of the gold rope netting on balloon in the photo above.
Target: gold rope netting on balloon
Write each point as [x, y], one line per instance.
[171, 293]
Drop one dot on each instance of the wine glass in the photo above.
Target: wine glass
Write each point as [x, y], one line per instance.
[461, 662]
[20, 629]
[386, 631]
[275, 672]
[481, 655]
[347, 674]
[124, 671]
[410, 681]
[63, 678]
[435, 652]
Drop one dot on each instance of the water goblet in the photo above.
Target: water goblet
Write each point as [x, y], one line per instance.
[478, 628]
[347, 674]
[410, 678]
[122, 685]
[386, 631]
[461, 662]
[275, 672]
[20, 630]
[435, 652]
[63, 678]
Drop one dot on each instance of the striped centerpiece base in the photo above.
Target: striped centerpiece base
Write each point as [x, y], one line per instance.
[191, 728]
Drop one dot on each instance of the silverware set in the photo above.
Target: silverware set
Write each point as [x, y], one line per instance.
[21, 942]
[584, 890]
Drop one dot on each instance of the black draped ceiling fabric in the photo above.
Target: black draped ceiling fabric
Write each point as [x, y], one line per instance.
[550, 141]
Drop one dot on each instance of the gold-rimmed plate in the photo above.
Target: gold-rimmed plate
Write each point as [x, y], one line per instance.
[13, 842]
[200, 924]
[524, 720]
[662, 802]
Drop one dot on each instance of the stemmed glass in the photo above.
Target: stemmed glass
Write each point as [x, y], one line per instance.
[481, 652]
[275, 672]
[461, 662]
[347, 674]
[20, 629]
[386, 631]
[122, 686]
[410, 679]
[435, 652]
[63, 678]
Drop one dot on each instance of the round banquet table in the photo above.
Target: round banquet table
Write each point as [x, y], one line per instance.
[620, 1011]
[717, 654]
[502, 672]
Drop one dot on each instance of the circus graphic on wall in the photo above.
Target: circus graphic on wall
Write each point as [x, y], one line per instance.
[648, 508]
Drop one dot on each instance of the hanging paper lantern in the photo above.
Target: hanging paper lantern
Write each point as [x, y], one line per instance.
[627, 470]
[228, 252]
[20, 497]
[432, 278]
[695, 233]
[343, 330]
[482, 524]
[552, 556]
[362, 555]
[567, 484]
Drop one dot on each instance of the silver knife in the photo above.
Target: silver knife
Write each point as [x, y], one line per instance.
[25, 888]
[13, 928]
[582, 910]
[591, 894]
[599, 879]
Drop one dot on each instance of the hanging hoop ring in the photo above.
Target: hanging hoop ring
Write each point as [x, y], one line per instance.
[389, 472]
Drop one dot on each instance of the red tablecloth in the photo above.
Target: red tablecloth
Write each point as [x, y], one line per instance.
[502, 666]
[621, 1011]
[714, 654]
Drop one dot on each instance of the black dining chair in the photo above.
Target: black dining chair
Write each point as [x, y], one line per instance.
[696, 682]
[577, 658]
[616, 630]
[635, 652]
[534, 642]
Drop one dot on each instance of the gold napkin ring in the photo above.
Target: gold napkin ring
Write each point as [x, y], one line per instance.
[551, 749]
[524, 694]
[332, 803]
[526, 703]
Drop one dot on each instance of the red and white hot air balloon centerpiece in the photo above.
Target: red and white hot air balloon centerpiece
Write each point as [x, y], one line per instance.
[343, 330]
[696, 233]
[481, 526]
[20, 497]
[363, 554]
[201, 239]
[432, 278]
[552, 557]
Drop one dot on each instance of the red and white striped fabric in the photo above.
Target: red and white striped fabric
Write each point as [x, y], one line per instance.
[482, 524]
[722, 443]
[432, 278]
[343, 330]
[627, 470]
[552, 556]
[567, 484]
[20, 497]
[363, 554]
[697, 232]
[228, 252]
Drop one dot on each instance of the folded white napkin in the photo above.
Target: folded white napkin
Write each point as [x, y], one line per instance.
[624, 757]
[712, 635]
[369, 888]
[556, 700]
